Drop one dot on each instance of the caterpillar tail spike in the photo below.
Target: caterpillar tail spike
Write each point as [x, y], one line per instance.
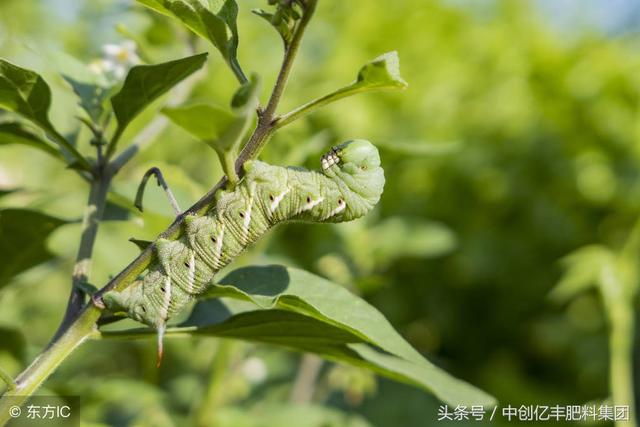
[347, 186]
[161, 183]
[161, 330]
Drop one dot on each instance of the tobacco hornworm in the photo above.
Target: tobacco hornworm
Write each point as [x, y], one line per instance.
[347, 187]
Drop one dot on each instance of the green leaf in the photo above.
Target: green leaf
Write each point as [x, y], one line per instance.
[382, 72]
[217, 126]
[216, 23]
[203, 121]
[245, 99]
[25, 93]
[92, 88]
[145, 83]
[283, 18]
[302, 311]
[23, 234]
[17, 133]
[92, 97]
[221, 129]
[379, 74]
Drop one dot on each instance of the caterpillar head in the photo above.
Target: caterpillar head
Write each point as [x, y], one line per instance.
[356, 163]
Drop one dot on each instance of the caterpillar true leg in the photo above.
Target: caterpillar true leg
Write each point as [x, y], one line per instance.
[162, 183]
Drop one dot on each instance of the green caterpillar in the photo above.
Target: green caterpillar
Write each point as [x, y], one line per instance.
[347, 187]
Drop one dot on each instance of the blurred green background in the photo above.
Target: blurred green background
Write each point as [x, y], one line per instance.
[516, 144]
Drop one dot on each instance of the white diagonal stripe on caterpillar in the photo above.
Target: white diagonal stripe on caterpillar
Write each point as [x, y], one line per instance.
[218, 248]
[164, 313]
[341, 206]
[277, 199]
[247, 216]
[310, 205]
[192, 274]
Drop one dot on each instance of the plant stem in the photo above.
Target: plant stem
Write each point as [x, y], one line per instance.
[619, 302]
[91, 220]
[48, 361]
[304, 385]
[621, 340]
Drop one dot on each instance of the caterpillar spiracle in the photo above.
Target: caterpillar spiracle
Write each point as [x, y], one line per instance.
[346, 187]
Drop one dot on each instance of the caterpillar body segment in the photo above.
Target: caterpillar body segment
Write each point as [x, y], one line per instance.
[348, 185]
